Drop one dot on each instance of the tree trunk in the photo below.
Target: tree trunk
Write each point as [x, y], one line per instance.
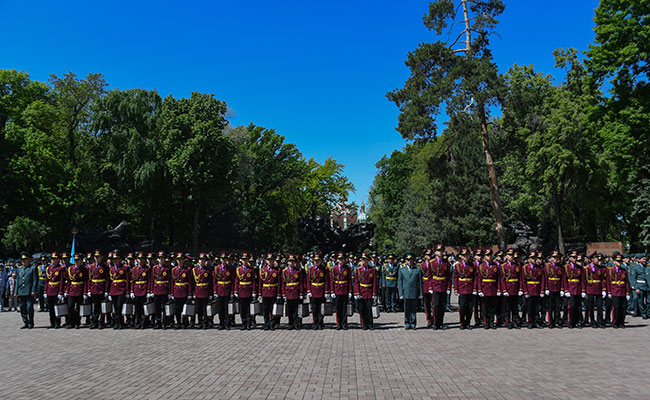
[494, 185]
[195, 229]
[557, 208]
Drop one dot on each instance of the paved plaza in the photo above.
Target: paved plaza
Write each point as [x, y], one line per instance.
[387, 363]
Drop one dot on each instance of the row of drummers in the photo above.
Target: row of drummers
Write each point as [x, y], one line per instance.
[139, 292]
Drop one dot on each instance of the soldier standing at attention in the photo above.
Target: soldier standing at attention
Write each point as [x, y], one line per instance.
[318, 289]
[26, 287]
[553, 277]
[572, 289]
[341, 276]
[76, 288]
[293, 288]
[533, 282]
[223, 288]
[161, 289]
[270, 290]
[54, 287]
[618, 290]
[183, 287]
[478, 305]
[140, 289]
[245, 289]
[465, 288]
[389, 272]
[365, 290]
[595, 287]
[410, 287]
[118, 287]
[427, 298]
[639, 282]
[440, 283]
[511, 289]
[487, 284]
[203, 289]
[97, 288]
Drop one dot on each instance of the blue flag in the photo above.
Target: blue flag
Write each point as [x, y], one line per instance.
[72, 253]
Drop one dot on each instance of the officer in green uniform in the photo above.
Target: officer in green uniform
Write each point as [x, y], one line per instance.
[42, 268]
[388, 282]
[639, 277]
[26, 289]
[409, 284]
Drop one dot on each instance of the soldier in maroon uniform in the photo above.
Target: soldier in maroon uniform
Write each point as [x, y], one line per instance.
[511, 289]
[270, 289]
[76, 289]
[293, 288]
[532, 277]
[318, 289]
[160, 286]
[202, 289]
[553, 276]
[477, 305]
[464, 287]
[487, 286]
[440, 283]
[425, 266]
[223, 288]
[118, 287]
[573, 289]
[593, 280]
[54, 288]
[140, 276]
[618, 289]
[245, 289]
[341, 278]
[98, 288]
[365, 290]
[182, 287]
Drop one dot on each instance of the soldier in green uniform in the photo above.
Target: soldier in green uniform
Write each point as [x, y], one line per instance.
[409, 284]
[388, 282]
[639, 277]
[26, 289]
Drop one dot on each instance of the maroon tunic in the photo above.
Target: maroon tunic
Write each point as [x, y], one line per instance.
[318, 281]
[223, 280]
[440, 275]
[202, 282]
[617, 282]
[98, 278]
[119, 280]
[140, 276]
[182, 282]
[341, 276]
[426, 276]
[572, 279]
[245, 280]
[54, 280]
[532, 277]
[510, 278]
[293, 283]
[365, 282]
[553, 276]
[270, 284]
[464, 277]
[488, 279]
[160, 283]
[76, 281]
[593, 279]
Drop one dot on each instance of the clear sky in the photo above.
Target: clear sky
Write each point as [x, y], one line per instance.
[316, 71]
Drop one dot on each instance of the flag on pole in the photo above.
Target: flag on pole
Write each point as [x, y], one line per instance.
[72, 252]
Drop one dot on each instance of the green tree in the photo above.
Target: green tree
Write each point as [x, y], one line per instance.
[25, 234]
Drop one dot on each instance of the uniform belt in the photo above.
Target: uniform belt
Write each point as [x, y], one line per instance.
[161, 282]
[640, 281]
[426, 278]
[532, 282]
[512, 280]
[202, 284]
[270, 285]
[464, 279]
[317, 284]
[618, 282]
[140, 282]
[292, 283]
[245, 283]
[98, 280]
[594, 281]
[366, 284]
[553, 279]
[439, 278]
[340, 282]
[180, 283]
[489, 280]
[77, 283]
[391, 277]
[54, 283]
[574, 280]
[224, 282]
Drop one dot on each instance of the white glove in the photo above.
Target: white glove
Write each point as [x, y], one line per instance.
[259, 299]
[604, 294]
[456, 293]
[279, 298]
[308, 295]
[548, 292]
[419, 297]
[627, 297]
[584, 295]
[300, 297]
[60, 297]
[284, 298]
[541, 295]
[45, 295]
[561, 293]
[448, 291]
[506, 294]
[333, 295]
[374, 298]
[357, 297]
[609, 295]
[498, 293]
[192, 297]
[85, 297]
[520, 293]
[210, 297]
[110, 298]
[132, 296]
[430, 291]
[527, 296]
[170, 297]
[105, 294]
[349, 295]
[474, 293]
[66, 295]
[481, 294]
[401, 297]
[567, 294]
[327, 296]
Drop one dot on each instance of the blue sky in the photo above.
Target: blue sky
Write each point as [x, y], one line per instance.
[317, 72]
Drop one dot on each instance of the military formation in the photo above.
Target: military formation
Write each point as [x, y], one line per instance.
[179, 291]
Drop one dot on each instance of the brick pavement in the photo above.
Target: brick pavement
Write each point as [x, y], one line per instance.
[388, 363]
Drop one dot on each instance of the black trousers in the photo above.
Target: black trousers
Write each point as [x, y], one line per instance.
[26, 304]
[74, 302]
[140, 319]
[439, 305]
[341, 303]
[96, 304]
[619, 306]
[51, 303]
[117, 302]
[160, 300]
[532, 306]
[554, 306]
[267, 310]
[410, 312]
[465, 303]
[489, 309]
[365, 313]
[575, 309]
[222, 306]
[245, 311]
[317, 317]
[427, 299]
[595, 304]
[478, 310]
[179, 303]
[511, 305]
[292, 312]
[41, 299]
[201, 305]
[565, 309]
[608, 310]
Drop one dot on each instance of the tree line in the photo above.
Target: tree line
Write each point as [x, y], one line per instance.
[74, 154]
[569, 159]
